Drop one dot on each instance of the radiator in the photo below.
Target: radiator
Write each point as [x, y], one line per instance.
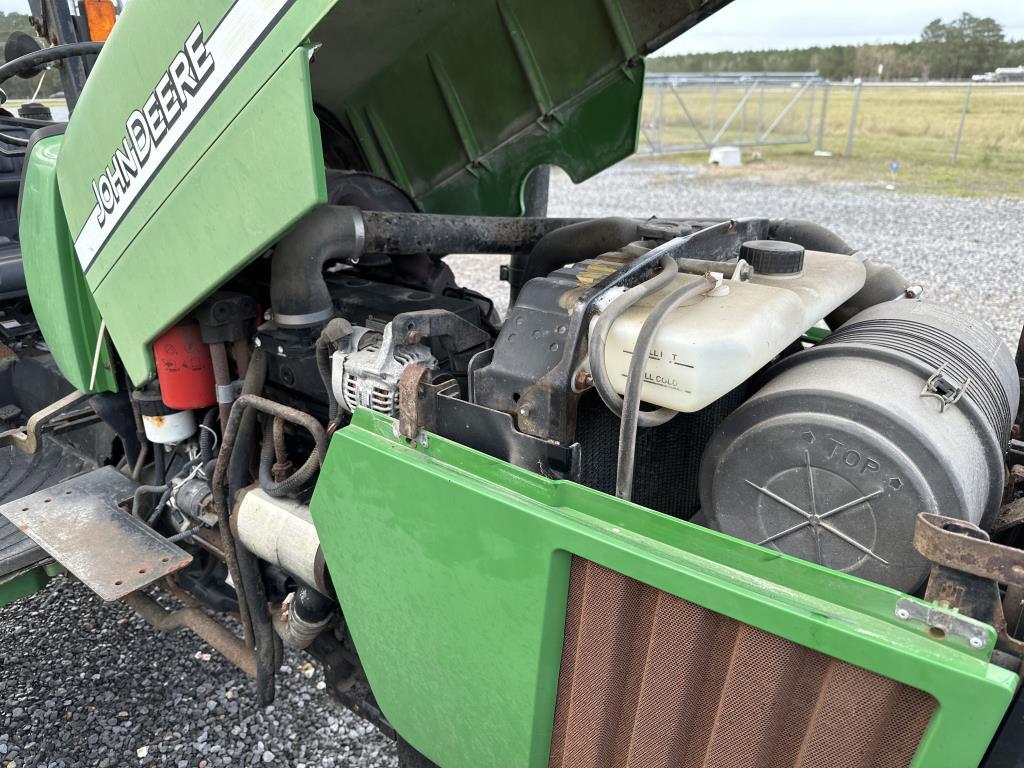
[648, 680]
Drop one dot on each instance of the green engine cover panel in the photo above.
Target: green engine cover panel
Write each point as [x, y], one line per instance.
[458, 100]
[193, 148]
[63, 305]
[259, 178]
[194, 145]
[452, 573]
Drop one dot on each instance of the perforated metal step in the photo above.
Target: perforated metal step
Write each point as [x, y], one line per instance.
[20, 475]
[84, 525]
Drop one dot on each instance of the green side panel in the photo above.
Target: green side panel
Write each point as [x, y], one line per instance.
[18, 585]
[63, 305]
[453, 576]
[143, 44]
[458, 100]
[261, 176]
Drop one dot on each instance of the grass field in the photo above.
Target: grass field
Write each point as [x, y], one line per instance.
[914, 126]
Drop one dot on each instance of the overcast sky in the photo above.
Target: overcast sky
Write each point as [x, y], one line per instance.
[761, 24]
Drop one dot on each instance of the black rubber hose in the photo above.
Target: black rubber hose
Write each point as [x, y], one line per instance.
[883, 283]
[262, 627]
[240, 426]
[311, 606]
[631, 403]
[44, 56]
[575, 243]
[159, 465]
[266, 642]
[155, 514]
[186, 533]
[169, 490]
[141, 491]
[811, 236]
[333, 332]
[248, 566]
[238, 432]
[295, 481]
[298, 293]
[599, 340]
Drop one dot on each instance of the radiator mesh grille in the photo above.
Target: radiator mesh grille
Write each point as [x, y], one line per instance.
[652, 681]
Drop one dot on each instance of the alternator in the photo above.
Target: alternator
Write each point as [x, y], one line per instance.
[366, 372]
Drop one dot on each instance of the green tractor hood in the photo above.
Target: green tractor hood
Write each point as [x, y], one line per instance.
[202, 133]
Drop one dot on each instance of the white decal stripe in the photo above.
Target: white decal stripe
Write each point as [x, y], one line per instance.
[239, 31]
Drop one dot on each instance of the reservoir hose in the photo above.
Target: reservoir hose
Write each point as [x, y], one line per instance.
[634, 382]
[599, 340]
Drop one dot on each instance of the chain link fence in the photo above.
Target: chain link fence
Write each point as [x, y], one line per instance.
[922, 122]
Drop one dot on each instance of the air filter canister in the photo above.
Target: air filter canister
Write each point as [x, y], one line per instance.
[907, 408]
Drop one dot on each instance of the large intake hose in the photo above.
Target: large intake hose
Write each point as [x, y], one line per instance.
[298, 293]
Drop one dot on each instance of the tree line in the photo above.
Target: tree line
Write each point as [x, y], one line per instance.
[966, 46]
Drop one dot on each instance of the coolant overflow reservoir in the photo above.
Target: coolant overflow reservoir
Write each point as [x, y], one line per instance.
[711, 345]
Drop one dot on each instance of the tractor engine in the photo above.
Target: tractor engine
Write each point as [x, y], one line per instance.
[758, 377]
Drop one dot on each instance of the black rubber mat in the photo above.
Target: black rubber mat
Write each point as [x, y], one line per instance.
[20, 475]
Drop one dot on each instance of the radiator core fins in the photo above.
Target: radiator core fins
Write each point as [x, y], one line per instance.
[652, 681]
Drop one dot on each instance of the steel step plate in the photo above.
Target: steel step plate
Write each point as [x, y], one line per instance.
[20, 475]
[81, 525]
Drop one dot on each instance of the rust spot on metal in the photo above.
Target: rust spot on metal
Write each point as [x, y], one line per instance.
[968, 570]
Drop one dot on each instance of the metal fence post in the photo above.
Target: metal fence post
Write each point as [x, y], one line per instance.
[810, 112]
[760, 111]
[853, 118]
[714, 104]
[824, 112]
[963, 119]
[660, 127]
[743, 123]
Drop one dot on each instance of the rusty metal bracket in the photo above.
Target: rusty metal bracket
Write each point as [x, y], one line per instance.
[26, 439]
[966, 572]
[417, 402]
[204, 626]
[965, 547]
[413, 414]
[942, 623]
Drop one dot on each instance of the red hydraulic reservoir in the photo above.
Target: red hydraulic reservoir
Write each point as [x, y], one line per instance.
[184, 368]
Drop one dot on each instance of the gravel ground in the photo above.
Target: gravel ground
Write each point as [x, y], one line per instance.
[85, 684]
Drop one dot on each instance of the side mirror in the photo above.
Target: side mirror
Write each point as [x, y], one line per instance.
[21, 44]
